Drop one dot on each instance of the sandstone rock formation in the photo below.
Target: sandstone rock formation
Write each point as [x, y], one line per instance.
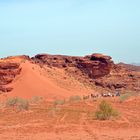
[95, 65]
[8, 71]
[120, 78]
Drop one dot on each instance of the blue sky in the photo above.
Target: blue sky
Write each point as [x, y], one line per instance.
[71, 27]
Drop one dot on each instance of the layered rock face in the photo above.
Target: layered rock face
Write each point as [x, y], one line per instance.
[8, 72]
[120, 78]
[95, 65]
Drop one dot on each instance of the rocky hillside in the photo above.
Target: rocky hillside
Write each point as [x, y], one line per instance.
[97, 70]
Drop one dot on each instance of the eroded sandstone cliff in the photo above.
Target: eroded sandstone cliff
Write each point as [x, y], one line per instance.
[95, 65]
[8, 72]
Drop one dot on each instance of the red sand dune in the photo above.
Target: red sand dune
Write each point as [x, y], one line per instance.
[58, 76]
[36, 81]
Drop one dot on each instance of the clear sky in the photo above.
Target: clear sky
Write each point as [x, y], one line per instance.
[71, 27]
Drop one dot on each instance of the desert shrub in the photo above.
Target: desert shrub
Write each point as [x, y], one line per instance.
[53, 110]
[11, 102]
[105, 111]
[36, 99]
[59, 102]
[23, 104]
[23, 61]
[18, 103]
[75, 98]
[124, 97]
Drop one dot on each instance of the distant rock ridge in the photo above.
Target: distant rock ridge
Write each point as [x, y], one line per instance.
[130, 67]
[135, 64]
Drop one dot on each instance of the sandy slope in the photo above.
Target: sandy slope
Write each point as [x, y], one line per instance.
[49, 83]
[71, 121]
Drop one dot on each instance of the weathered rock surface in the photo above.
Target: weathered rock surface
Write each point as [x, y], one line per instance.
[8, 72]
[120, 78]
[95, 65]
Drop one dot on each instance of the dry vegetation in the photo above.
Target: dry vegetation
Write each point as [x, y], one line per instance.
[74, 118]
[105, 111]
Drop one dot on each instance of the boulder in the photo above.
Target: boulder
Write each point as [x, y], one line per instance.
[96, 65]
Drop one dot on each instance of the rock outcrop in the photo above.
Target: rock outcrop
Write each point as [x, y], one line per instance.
[120, 78]
[8, 72]
[100, 70]
[95, 65]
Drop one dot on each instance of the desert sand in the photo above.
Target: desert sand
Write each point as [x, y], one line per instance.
[69, 121]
